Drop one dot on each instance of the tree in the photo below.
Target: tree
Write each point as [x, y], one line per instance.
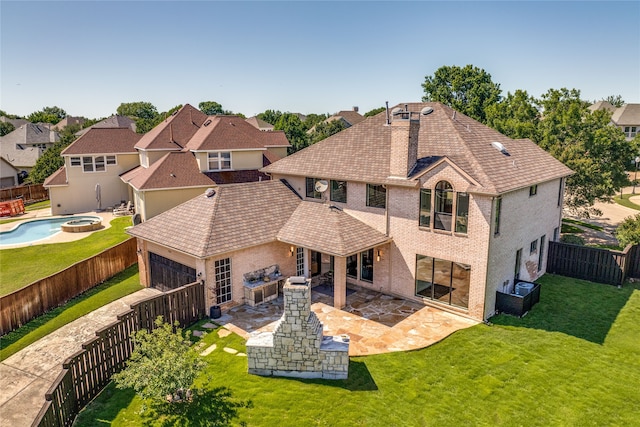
[374, 111]
[161, 363]
[294, 130]
[615, 100]
[324, 130]
[6, 128]
[49, 162]
[47, 115]
[586, 142]
[270, 116]
[516, 116]
[313, 119]
[138, 110]
[211, 108]
[628, 232]
[468, 90]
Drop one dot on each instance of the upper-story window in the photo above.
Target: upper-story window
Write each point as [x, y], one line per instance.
[219, 160]
[92, 164]
[111, 160]
[533, 190]
[442, 217]
[75, 161]
[496, 225]
[376, 196]
[339, 191]
[310, 185]
[631, 131]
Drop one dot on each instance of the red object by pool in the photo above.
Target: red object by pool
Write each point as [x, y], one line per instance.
[11, 207]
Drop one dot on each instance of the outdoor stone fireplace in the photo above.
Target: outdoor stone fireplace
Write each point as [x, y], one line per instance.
[297, 348]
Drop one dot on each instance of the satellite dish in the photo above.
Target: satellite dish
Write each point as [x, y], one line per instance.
[210, 192]
[321, 186]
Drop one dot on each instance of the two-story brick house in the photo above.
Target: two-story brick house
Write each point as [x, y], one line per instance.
[419, 202]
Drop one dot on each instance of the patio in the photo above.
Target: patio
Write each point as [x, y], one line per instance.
[376, 323]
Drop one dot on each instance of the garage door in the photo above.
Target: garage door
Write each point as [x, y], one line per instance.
[167, 274]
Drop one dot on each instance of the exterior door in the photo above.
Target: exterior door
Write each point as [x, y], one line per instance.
[167, 274]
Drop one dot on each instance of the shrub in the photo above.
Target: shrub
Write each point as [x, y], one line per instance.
[629, 231]
[572, 239]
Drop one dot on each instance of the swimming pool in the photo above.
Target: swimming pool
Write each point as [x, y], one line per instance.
[38, 229]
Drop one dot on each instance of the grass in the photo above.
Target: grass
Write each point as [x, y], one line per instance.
[624, 201]
[38, 205]
[22, 266]
[573, 360]
[583, 224]
[572, 229]
[118, 286]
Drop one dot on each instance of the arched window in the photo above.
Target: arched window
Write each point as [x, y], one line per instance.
[443, 208]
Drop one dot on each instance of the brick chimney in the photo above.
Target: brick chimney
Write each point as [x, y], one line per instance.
[404, 142]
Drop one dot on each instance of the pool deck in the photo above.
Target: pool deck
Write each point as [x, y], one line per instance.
[60, 237]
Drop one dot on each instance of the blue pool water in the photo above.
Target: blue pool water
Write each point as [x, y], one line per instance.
[32, 231]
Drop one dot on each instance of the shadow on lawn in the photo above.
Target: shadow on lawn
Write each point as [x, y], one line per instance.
[210, 408]
[579, 308]
[360, 379]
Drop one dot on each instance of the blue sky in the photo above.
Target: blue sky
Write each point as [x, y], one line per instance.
[301, 56]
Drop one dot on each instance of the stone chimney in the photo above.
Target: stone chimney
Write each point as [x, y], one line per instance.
[404, 143]
[355, 108]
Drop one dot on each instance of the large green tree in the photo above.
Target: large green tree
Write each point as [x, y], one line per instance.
[628, 232]
[211, 108]
[516, 116]
[294, 129]
[270, 116]
[138, 110]
[586, 142]
[47, 115]
[374, 111]
[467, 89]
[324, 130]
[6, 128]
[49, 162]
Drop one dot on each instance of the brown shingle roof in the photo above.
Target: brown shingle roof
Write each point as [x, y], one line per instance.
[178, 169]
[56, 179]
[361, 153]
[259, 124]
[114, 121]
[175, 131]
[627, 115]
[237, 177]
[104, 141]
[352, 117]
[233, 133]
[329, 230]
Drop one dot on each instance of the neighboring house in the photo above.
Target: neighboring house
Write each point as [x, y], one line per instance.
[259, 124]
[15, 122]
[67, 121]
[90, 178]
[25, 145]
[627, 117]
[347, 117]
[115, 121]
[428, 205]
[8, 174]
[189, 152]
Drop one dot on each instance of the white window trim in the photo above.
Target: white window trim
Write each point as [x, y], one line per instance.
[219, 161]
[93, 164]
[79, 165]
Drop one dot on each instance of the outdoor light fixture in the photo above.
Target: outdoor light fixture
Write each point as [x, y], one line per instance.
[291, 250]
[379, 254]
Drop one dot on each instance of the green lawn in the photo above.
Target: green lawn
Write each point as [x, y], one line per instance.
[624, 200]
[22, 266]
[118, 286]
[583, 224]
[574, 360]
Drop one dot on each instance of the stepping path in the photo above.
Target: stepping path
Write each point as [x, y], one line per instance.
[28, 374]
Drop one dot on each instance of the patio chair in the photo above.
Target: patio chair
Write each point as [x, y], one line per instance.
[123, 210]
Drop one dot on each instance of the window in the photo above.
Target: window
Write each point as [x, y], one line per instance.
[533, 247]
[223, 280]
[220, 160]
[376, 196]
[443, 206]
[533, 190]
[462, 213]
[630, 131]
[90, 164]
[443, 281]
[366, 265]
[111, 160]
[541, 254]
[496, 229]
[299, 261]
[352, 266]
[339, 191]
[425, 207]
[560, 192]
[87, 164]
[75, 161]
[99, 163]
[311, 188]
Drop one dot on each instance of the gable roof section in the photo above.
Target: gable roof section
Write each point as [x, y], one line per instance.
[627, 115]
[233, 133]
[104, 141]
[19, 158]
[350, 116]
[362, 153]
[115, 121]
[237, 216]
[57, 179]
[31, 133]
[175, 131]
[259, 124]
[178, 169]
[329, 230]
[602, 105]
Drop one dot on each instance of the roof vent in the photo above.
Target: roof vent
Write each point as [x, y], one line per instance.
[207, 123]
[210, 192]
[426, 111]
[501, 148]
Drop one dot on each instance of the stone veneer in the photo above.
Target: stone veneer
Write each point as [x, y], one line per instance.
[297, 348]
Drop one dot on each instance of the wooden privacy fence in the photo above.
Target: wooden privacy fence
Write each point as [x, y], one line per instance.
[28, 193]
[594, 264]
[87, 372]
[21, 306]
